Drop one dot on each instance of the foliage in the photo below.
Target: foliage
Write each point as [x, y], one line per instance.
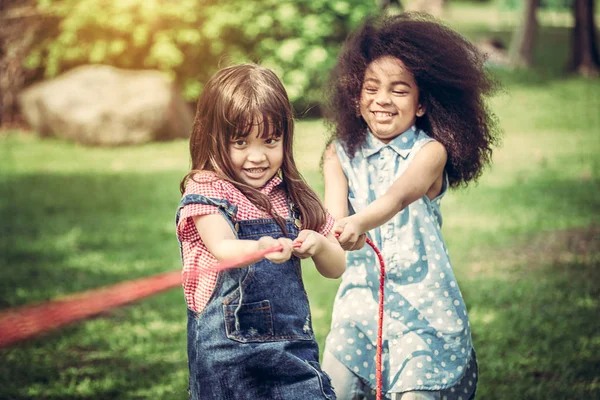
[191, 39]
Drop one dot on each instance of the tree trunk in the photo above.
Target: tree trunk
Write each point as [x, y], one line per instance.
[523, 41]
[2, 57]
[584, 49]
[19, 25]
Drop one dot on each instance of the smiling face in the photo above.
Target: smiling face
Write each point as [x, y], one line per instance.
[256, 158]
[389, 99]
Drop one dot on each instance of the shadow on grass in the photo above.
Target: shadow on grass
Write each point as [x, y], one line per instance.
[499, 214]
[534, 309]
[67, 233]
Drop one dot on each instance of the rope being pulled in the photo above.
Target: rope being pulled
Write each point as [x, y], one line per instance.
[378, 376]
[25, 322]
[22, 323]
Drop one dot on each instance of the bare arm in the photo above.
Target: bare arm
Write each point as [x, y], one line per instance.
[336, 184]
[336, 194]
[221, 242]
[422, 175]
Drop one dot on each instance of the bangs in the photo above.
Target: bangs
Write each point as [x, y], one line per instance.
[266, 127]
[269, 117]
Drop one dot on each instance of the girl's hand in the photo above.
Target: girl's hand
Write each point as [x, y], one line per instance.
[277, 257]
[311, 243]
[350, 234]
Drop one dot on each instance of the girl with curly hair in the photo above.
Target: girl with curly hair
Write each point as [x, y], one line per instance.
[410, 121]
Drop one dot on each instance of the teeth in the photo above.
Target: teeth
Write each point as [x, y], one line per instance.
[255, 170]
[382, 114]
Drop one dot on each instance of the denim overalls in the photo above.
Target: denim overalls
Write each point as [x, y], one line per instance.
[254, 340]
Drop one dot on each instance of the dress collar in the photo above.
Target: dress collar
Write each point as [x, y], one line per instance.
[401, 144]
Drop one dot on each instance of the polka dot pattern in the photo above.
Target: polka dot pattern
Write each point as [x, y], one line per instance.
[426, 334]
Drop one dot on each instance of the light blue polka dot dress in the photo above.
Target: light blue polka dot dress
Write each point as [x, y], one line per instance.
[426, 335]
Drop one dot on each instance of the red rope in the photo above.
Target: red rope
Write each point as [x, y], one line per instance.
[250, 258]
[28, 321]
[379, 377]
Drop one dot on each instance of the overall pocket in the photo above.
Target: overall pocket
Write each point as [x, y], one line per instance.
[251, 322]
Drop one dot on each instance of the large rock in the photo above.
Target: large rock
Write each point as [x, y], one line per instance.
[102, 105]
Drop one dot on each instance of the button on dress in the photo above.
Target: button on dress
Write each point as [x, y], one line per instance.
[426, 334]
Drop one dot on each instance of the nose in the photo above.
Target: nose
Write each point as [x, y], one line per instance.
[256, 155]
[382, 97]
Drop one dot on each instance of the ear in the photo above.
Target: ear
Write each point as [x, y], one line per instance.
[420, 111]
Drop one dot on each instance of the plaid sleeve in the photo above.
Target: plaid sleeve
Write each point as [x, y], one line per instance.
[206, 186]
[328, 225]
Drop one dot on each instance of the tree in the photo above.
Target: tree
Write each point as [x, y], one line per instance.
[584, 50]
[19, 25]
[523, 41]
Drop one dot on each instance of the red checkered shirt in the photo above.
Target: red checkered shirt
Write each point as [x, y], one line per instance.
[199, 285]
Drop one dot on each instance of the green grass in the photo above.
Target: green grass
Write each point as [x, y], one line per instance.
[525, 243]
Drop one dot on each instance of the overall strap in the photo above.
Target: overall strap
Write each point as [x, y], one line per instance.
[295, 214]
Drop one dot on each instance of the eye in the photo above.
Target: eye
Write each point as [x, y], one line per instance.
[400, 92]
[271, 141]
[239, 142]
[370, 89]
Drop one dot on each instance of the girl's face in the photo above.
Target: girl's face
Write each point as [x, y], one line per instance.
[255, 159]
[389, 99]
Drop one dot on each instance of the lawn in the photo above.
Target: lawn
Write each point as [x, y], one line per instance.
[525, 243]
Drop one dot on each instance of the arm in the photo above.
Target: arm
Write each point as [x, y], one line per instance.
[336, 194]
[336, 184]
[326, 252]
[217, 236]
[423, 174]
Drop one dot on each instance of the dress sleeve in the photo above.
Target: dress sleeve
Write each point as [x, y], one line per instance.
[204, 185]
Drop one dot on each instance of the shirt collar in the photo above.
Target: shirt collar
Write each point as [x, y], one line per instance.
[270, 185]
[401, 144]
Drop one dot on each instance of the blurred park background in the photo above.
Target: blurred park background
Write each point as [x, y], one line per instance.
[81, 208]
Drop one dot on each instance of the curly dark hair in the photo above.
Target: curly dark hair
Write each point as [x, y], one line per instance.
[453, 84]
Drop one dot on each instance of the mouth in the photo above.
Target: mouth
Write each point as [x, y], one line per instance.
[383, 114]
[255, 172]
